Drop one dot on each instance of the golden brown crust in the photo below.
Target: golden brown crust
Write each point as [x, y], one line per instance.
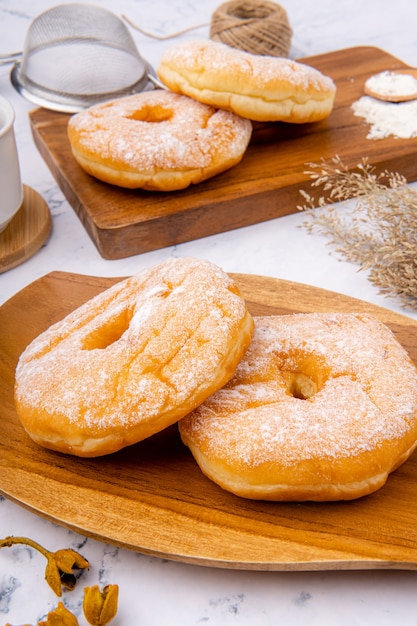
[256, 87]
[133, 360]
[321, 407]
[157, 141]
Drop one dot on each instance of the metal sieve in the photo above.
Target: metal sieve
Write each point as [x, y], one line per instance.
[76, 55]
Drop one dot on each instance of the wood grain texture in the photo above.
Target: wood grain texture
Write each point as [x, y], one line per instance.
[27, 231]
[153, 498]
[265, 185]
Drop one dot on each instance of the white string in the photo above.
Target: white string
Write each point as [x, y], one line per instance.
[163, 37]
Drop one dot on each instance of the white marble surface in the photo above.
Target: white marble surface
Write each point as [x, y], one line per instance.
[158, 592]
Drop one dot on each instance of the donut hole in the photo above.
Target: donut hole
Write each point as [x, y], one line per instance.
[151, 114]
[303, 373]
[107, 334]
[300, 385]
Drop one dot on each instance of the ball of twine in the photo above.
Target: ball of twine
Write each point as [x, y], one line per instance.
[255, 26]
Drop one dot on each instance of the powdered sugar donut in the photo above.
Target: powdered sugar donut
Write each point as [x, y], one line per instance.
[322, 407]
[260, 88]
[157, 140]
[132, 360]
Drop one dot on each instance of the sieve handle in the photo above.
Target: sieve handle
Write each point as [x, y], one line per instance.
[11, 57]
[156, 81]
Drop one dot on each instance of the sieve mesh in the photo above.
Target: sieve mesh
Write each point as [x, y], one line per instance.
[77, 54]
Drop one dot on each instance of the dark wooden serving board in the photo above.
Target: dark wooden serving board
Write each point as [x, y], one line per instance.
[153, 498]
[263, 186]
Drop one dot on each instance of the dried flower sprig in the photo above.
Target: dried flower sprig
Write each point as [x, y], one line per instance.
[378, 232]
[99, 606]
[60, 565]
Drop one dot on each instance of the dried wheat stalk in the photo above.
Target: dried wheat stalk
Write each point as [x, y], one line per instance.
[378, 231]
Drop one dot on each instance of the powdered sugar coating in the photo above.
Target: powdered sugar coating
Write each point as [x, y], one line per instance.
[366, 396]
[254, 72]
[139, 354]
[259, 88]
[157, 131]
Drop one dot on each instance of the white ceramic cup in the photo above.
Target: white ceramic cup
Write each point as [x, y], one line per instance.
[11, 188]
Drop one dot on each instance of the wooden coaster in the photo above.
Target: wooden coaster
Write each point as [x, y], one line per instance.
[27, 231]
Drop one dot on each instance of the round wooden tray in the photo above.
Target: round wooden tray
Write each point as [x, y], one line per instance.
[26, 232]
[152, 497]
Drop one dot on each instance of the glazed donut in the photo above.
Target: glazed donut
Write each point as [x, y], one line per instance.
[132, 360]
[260, 88]
[322, 407]
[157, 140]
